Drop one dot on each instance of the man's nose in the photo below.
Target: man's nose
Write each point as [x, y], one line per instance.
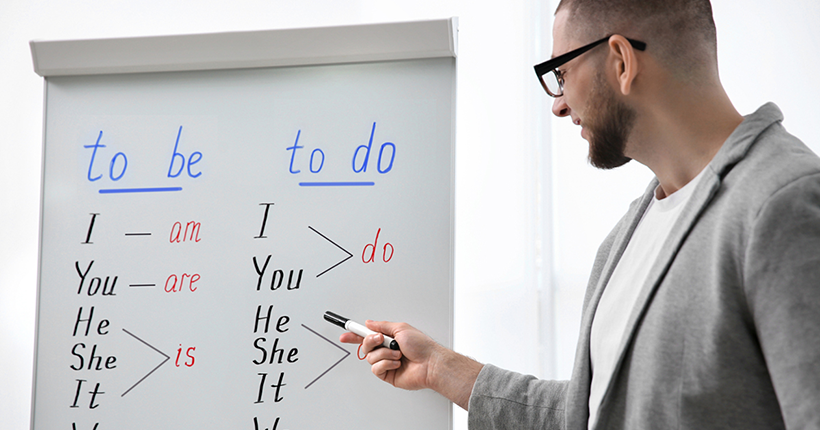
[560, 108]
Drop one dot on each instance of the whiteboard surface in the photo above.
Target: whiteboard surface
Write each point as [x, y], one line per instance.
[258, 165]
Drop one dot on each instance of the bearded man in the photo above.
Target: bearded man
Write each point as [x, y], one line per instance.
[703, 307]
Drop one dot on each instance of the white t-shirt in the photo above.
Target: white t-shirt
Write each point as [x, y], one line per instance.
[621, 293]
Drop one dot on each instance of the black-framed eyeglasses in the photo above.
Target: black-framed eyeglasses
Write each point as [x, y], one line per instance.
[552, 79]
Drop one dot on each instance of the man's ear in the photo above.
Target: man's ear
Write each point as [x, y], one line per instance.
[624, 62]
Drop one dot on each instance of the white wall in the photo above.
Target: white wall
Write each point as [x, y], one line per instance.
[530, 211]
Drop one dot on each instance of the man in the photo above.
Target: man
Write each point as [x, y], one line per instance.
[703, 307]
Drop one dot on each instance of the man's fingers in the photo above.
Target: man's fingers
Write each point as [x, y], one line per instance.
[389, 328]
[348, 337]
[381, 368]
[383, 354]
[372, 342]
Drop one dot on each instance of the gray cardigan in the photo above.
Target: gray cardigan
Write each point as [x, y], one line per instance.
[726, 330]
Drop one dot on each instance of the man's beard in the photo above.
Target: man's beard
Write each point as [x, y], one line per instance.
[609, 123]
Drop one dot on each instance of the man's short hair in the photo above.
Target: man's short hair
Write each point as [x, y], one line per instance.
[680, 34]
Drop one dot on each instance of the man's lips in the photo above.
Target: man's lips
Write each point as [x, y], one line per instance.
[577, 121]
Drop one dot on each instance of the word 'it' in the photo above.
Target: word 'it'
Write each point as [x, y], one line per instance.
[361, 156]
[93, 403]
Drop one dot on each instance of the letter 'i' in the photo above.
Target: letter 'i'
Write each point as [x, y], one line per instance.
[90, 228]
[264, 220]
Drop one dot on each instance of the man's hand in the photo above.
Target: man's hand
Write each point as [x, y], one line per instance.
[421, 363]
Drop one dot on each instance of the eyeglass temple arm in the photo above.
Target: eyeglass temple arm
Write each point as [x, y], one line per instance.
[553, 63]
[637, 44]
[545, 67]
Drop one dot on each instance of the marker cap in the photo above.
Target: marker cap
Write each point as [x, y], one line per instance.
[336, 319]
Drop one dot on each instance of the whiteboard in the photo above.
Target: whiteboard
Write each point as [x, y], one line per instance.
[199, 218]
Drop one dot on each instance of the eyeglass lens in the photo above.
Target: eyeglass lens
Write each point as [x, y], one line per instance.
[550, 81]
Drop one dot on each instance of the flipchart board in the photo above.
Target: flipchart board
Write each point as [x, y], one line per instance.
[206, 198]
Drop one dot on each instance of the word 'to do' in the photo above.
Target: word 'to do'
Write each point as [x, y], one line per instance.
[361, 156]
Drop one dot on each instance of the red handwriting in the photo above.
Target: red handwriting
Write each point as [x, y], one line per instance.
[189, 353]
[387, 250]
[188, 233]
[175, 284]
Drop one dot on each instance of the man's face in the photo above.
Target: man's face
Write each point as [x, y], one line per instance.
[591, 102]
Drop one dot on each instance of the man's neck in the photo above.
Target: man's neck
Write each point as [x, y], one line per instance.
[681, 132]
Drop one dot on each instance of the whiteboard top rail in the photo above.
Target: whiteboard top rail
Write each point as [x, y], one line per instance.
[247, 49]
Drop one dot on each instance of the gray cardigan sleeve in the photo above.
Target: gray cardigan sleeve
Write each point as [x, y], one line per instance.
[782, 274]
[502, 399]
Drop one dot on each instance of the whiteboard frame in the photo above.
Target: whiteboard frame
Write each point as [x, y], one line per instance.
[245, 50]
[250, 49]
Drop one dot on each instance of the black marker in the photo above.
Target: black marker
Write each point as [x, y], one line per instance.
[359, 329]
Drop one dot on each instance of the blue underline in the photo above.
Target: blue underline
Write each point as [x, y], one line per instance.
[139, 190]
[336, 184]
